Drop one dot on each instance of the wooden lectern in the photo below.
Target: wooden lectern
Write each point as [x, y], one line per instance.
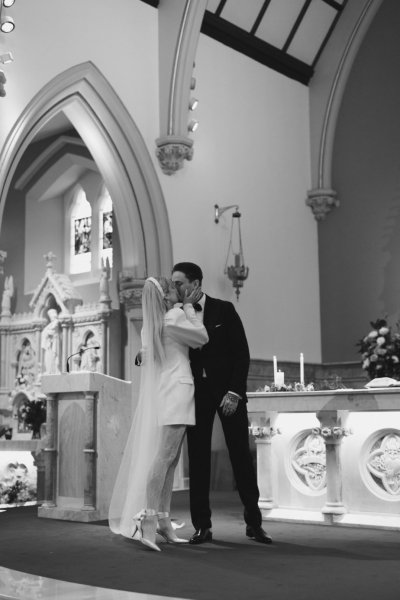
[88, 419]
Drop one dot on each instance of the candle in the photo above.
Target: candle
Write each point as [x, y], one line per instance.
[275, 368]
[301, 368]
[280, 379]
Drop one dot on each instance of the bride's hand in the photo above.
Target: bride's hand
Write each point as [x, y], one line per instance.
[193, 297]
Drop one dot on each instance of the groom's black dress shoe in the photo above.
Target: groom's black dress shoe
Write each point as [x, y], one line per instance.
[258, 534]
[200, 536]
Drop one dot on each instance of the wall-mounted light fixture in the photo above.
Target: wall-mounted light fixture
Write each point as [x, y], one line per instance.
[193, 104]
[193, 125]
[5, 58]
[6, 22]
[237, 272]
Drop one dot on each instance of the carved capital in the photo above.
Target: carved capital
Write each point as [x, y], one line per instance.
[332, 426]
[321, 202]
[172, 151]
[130, 290]
[267, 432]
[332, 434]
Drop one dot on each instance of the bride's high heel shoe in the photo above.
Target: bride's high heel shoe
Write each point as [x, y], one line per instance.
[166, 530]
[146, 517]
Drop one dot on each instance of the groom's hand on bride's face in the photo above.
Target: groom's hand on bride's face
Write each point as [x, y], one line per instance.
[192, 296]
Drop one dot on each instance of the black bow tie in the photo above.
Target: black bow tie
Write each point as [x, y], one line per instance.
[197, 307]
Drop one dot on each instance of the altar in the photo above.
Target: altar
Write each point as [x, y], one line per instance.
[329, 457]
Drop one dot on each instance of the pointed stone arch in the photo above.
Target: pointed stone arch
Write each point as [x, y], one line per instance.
[118, 148]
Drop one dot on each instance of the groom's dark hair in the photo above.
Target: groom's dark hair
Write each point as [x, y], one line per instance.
[190, 270]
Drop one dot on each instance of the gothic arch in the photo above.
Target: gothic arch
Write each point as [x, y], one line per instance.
[326, 92]
[120, 153]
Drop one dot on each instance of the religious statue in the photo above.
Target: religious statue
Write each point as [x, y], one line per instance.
[50, 343]
[90, 358]
[8, 293]
[26, 368]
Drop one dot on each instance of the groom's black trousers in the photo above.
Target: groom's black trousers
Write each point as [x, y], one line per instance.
[236, 434]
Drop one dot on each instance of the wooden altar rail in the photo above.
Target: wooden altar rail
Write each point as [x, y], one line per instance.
[351, 495]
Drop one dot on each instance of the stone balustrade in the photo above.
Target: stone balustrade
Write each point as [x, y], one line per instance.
[329, 456]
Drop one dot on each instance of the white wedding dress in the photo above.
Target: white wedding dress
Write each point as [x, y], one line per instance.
[166, 397]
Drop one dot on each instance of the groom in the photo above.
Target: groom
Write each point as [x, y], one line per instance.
[220, 371]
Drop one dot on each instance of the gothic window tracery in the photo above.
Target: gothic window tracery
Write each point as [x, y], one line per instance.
[106, 218]
[91, 225]
[81, 234]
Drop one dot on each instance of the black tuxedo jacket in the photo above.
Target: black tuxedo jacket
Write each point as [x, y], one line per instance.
[225, 358]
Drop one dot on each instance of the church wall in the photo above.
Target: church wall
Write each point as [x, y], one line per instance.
[12, 242]
[44, 232]
[42, 228]
[50, 39]
[15, 227]
[252, 148]
[360, 241]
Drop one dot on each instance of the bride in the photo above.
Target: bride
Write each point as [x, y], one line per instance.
[141, 499]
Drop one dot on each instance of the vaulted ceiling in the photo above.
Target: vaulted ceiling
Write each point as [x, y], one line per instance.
[286, 35]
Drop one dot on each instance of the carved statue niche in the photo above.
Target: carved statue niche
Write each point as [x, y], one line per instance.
[90, 358]
[26, 364]
[17, 407]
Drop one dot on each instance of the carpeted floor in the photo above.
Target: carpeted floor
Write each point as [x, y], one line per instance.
[304, 563]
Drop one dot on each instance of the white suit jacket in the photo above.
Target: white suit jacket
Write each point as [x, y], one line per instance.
[182, 330]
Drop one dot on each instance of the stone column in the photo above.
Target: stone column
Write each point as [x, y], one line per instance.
[332, 430]
[37, 330]
[65, 342]
[179, 24]
[130, 296]
[263, 434]
[50, 452]
[104, 343]
[4, 370]
[89, 501]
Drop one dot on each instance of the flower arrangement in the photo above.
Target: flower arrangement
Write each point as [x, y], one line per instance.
[33, 414]
[289, 387]
[380, 350]
[17, 486]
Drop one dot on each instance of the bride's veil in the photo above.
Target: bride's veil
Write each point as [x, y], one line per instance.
[129, 496]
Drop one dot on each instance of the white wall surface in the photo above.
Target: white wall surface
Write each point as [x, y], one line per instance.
[252, 148]
[44, 231]
[50, 36]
